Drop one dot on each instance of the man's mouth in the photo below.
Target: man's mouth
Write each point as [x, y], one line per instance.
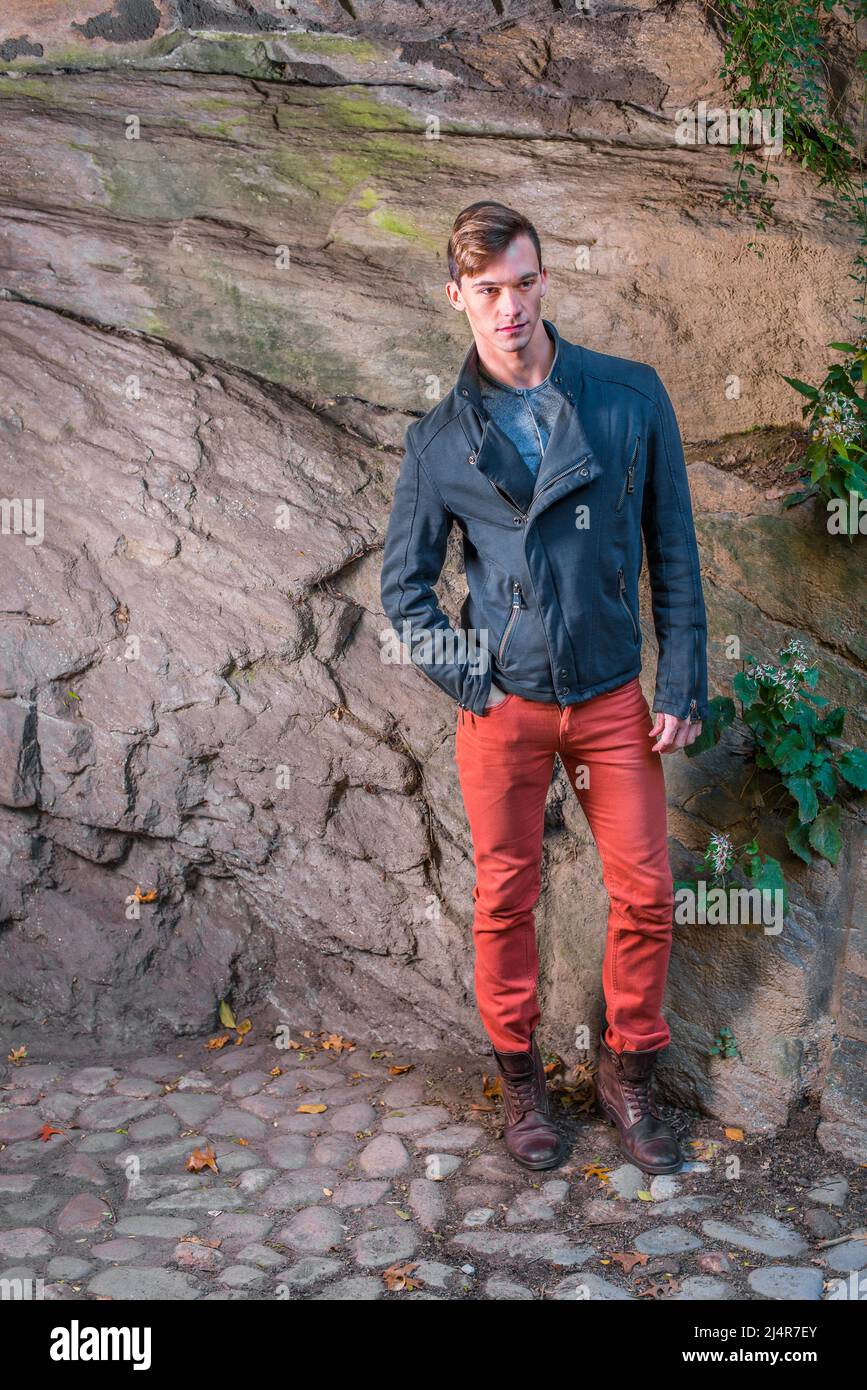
[511, 327]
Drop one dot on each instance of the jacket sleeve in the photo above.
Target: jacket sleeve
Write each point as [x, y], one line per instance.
[679, 615]
[414, 554]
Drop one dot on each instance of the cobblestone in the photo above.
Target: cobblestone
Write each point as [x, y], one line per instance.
[394, 1172]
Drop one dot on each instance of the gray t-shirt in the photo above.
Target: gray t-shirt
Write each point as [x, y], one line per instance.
[526, 414]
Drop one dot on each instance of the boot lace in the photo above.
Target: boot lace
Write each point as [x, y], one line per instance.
[522, 1091]
[639, 1095]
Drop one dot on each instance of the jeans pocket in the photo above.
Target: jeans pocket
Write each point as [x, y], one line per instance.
[492, 709]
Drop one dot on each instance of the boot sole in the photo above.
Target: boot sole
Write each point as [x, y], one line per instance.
[645, 1168]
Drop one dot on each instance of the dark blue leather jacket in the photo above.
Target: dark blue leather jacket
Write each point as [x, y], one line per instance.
[551, 563]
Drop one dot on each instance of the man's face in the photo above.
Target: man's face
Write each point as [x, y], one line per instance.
[503, 302]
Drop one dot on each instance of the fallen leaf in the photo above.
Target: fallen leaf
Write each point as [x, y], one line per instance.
[734, 1134]
[17, 1054]
[220, 1041]
[141, 897]
[310, 1109]
[397, 1277]
[200, 1159]
[398, 1070]
[46, 1132]
[227, 1018]
[627, 1260]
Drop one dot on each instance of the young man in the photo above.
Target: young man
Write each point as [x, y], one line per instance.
[554, 461]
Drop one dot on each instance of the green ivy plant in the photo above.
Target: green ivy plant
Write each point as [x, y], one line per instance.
[837, 454]
[793, 737]
[775, 59]
[723, 861]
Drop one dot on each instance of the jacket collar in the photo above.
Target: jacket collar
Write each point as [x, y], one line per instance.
[494, 454]
[565, 369]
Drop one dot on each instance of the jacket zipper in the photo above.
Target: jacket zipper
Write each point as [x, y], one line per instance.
[693, 704]
[629, 478]
[516, 608]
[504, 497]
[552, 481]
[621, 588]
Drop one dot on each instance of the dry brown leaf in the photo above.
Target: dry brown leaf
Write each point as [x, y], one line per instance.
[491, 1086]
[399, 1070]
[46, 1132]
[218, 1042]
[276, 1071]
[202, 1158]
[734, 1134]
[662, 1289]
[17, 1054]
[628, 1260]
[310, 1109]
[397, 1277]
[592, 1170]
[141, 897]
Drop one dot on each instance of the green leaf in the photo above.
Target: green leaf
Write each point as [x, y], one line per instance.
[831, 724]
[766, 873]
[825, 833]
[825, 778]
[853, 766]
[746, 689]
[791, 754]
[804, 718]
[805, 390]
[803, 792]
[796, 838]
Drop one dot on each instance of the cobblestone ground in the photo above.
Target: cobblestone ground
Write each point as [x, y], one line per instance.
[397, 1185]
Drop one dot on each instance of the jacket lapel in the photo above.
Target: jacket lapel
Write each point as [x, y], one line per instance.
[568, 450]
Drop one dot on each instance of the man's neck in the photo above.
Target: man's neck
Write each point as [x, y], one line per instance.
[523, 369]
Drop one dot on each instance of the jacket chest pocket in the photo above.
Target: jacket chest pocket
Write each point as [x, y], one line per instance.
[627, 486]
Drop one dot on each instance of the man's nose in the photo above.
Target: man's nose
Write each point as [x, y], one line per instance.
[511, 303]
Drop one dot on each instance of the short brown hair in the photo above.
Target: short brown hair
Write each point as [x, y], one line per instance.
[484, 230]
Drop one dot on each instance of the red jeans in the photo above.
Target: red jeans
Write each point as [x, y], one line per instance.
[505, 760]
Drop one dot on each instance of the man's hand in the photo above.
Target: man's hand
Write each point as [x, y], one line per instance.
[495, 690]
[673, 733]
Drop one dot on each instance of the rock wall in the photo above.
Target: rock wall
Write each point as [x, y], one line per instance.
[222, 237]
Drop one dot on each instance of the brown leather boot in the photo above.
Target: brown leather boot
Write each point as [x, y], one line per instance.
[529, 1132]
[624, 1096]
